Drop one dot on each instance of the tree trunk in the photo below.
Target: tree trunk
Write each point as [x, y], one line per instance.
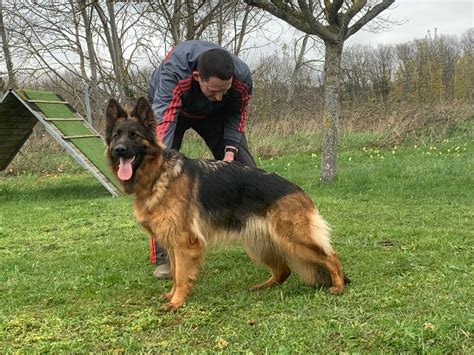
[175, 22]
[87, 19]
[77, 40]
[220, 28]
[296, 70]
[6, 52]
[117, 52]
[111, 40]
[331, 112]
[242, 32]
[190, 23]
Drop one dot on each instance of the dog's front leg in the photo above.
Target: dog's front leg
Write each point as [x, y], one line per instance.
[171, 258]
[187, 262]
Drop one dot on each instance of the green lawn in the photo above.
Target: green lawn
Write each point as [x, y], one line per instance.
[74, 271]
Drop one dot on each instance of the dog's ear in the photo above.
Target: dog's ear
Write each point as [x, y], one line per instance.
[113, 112]
[144, 112]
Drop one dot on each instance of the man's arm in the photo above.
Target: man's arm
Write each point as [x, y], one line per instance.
[166, 102]
[234, 126]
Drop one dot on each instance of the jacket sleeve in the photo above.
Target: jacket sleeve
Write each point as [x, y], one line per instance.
[165, 97]
[234, 126]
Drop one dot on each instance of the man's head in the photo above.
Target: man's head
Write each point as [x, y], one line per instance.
[215, 70]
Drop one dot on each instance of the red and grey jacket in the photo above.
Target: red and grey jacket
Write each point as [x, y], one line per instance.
[173, 92]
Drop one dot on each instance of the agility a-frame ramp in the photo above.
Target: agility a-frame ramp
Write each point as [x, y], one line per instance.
[20, 110]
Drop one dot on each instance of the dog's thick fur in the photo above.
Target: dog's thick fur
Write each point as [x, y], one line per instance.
[188, 205]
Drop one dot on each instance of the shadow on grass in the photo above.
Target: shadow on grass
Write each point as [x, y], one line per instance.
[49, 191]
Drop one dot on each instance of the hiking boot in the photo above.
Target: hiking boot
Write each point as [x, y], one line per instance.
[162, 272]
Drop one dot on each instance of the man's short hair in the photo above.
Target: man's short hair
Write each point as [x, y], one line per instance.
[215, 62]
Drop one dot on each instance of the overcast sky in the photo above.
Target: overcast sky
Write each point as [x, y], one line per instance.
[418, 16]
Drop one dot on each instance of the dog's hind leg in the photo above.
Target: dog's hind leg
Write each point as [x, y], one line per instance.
[187, 262]
[275, 262]
[305, 241]
[326, 258]
[315, 266]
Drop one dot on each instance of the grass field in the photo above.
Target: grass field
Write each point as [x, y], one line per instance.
[74, 271]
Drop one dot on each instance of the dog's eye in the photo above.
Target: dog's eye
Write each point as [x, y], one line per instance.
[133, 135]
[117, 134]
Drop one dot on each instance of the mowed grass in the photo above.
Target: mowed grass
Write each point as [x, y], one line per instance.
[74, 271]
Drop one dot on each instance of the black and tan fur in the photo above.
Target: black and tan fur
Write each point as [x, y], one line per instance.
[188, 205]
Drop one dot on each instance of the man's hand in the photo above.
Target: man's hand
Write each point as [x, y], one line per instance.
[229, 153]
[229, 156]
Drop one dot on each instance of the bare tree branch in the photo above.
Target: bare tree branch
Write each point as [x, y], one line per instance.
[370, 15]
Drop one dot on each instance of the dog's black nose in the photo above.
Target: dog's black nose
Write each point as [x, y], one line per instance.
[120, 148]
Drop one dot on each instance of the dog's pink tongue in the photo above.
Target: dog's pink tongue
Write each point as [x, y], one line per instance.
[125, 170]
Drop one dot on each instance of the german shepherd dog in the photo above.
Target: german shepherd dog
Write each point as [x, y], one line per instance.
[190, 204]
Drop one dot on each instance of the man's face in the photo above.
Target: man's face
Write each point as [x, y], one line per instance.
[214, 88]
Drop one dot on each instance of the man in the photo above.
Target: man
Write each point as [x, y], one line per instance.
[201, 86]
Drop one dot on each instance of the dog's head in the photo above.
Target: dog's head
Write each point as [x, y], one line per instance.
[130, 137]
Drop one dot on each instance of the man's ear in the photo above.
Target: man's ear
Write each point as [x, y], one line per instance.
[196, 75]
[144, 112]
[113, 112]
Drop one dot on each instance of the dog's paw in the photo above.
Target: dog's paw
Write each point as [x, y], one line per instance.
[166, 296]
[171, 306]
[258, 287]
[336, 290]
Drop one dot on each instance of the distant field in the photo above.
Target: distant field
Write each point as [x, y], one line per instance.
[75, 277]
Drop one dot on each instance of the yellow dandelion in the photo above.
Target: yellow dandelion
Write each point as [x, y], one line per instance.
[428, 325]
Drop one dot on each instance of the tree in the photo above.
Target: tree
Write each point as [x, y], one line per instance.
[300, 62]
[334, 22]
[114, 45]
[380, 71]
[86, 15]
[6, 51]
[355, 80]
[465, 68]
[226, 22]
